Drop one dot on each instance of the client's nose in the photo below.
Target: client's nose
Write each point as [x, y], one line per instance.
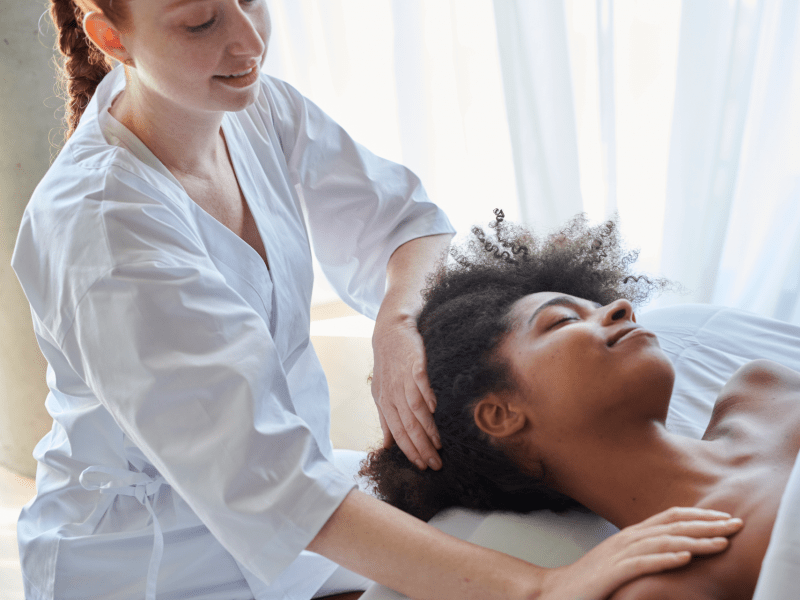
[618, 310]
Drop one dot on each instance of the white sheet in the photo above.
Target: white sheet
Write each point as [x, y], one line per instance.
[706, 344]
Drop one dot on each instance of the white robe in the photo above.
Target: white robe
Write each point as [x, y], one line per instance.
[190, 440]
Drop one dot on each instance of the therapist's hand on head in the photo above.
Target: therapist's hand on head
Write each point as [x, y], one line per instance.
[400, 385]
[402, 393]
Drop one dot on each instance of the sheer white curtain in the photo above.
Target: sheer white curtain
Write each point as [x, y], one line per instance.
[760, 263]
[684, 117]
[415, 81]
[687, 123]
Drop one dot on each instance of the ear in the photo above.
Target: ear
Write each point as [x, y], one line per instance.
[105, 36]
[498, 417]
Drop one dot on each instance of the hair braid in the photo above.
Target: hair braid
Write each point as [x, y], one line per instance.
[83, 65]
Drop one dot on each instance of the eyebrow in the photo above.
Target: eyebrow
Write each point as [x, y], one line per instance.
[181, 3]
[559, 301]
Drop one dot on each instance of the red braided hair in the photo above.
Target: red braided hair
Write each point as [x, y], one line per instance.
[83, 65]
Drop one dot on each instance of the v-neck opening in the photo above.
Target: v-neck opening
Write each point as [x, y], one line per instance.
[265, 259]
[132, 142]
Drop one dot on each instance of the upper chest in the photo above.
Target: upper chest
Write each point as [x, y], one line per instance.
[756, 421]
[221, 196]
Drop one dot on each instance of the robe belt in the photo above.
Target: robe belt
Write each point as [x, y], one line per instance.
[110, 480]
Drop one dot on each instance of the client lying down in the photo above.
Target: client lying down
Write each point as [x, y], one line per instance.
[549, 395]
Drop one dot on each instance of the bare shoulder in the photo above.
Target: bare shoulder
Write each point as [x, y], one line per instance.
[761, 393]
[765, 373]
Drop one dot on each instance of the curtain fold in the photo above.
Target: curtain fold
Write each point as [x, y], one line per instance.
[760, 265]
[716, 60]
[534, 57]
[607, 104]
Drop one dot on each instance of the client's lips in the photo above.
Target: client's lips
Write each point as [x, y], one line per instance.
[618, 335]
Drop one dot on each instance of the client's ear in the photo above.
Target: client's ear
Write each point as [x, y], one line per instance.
[498, 417]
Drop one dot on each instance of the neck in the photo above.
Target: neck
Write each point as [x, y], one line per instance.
[628, 478]
[186, 142]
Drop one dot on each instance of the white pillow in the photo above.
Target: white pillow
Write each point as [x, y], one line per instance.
[706, 344]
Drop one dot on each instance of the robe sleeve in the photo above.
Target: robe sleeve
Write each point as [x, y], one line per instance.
[191, 375]
[360, 207]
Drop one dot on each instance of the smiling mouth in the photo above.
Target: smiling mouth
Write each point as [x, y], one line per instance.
[623, 334]
[242, 74]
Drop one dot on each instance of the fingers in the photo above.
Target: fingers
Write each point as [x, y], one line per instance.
[388, 438]
[649, 564]
[423, 385]
[420, 427]
[685, 521]
[683, 513]
[666, 544]
[697, 529]
[653, 553]
[411, 436]
[424, 417]
[664, 541]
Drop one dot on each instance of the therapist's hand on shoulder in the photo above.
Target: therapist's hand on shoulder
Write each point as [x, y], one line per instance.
[665, 541]
[401, 391]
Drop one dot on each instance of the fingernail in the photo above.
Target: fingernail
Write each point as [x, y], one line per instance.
[434, 463]
[720, 513]
[420, 464]
[736, 520]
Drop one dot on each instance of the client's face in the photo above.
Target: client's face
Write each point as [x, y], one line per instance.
[582, 368]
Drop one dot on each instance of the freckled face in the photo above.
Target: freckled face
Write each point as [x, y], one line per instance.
[182, 49]
[580, 366]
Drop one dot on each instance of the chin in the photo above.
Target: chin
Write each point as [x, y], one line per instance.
[656, 378]
[246, 99]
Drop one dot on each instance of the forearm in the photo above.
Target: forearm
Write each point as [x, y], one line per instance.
[407, 272]
[388, 546]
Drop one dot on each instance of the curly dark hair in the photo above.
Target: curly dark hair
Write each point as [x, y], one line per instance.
[464, 318]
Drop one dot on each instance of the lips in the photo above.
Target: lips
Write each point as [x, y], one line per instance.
[618, 335]
[239, 73]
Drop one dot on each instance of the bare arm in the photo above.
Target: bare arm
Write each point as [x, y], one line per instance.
[370, 537]
[380, 542]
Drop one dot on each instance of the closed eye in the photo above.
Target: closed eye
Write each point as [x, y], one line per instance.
[202, 27]
[562, 320]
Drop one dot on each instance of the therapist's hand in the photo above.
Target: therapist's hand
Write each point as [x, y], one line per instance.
[401, 390]
[664, 541]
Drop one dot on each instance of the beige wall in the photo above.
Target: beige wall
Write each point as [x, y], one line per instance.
[27, 123]
[354, 418]
[347, 362]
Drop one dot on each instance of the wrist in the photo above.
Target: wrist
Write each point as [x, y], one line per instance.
[396, 311]
[550, 582]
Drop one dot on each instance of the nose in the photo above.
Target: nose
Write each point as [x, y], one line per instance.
[249, 32]
[618, 310]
